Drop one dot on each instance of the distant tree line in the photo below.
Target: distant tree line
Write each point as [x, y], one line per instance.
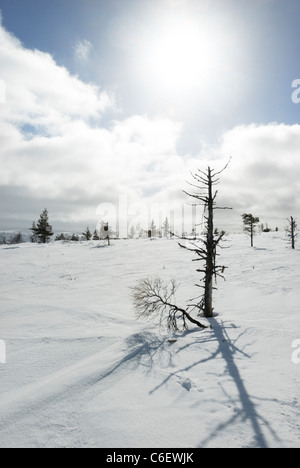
[42, 231]
[10, 239]
[250, 224]
[67, 237]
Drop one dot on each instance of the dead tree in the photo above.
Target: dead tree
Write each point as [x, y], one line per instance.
[207, 250]
[153, 298]
[291, 230]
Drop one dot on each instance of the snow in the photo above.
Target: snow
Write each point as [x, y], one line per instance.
[81, 371]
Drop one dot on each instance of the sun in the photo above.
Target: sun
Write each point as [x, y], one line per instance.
[182, 55]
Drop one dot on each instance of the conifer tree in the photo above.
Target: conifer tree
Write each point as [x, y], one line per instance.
[87, 234]
[153, 229]
[166, 228]
[250, 223]
[96, 235]
[42, 230]
[131, 234]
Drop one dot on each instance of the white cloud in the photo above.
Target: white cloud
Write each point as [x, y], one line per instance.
[264, 174]
[94, 163]
[53, 144]
[2, 92]
[73, 163]
[82, 49]
[67, 150]
[42, 94]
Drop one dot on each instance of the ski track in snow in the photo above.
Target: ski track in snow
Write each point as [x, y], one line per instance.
[82, 372]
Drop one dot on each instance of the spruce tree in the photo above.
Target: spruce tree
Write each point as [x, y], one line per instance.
[166, 228]
[153, 229]
[250, 223]
[87, 234]
[42, 230]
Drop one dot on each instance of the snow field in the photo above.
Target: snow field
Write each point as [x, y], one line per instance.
[81, 371]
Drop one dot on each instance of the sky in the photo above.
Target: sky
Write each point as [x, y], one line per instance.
[106, 107]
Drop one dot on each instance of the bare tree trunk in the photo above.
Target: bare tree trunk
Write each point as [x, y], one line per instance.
[210, 248]
[293, 231]
[205, 182]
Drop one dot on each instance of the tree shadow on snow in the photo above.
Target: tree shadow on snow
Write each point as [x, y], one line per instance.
[146, 347]
[247, 411]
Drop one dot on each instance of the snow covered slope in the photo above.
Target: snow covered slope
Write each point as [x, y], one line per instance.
[82, 372]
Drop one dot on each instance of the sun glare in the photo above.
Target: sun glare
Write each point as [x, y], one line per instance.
[182, 55]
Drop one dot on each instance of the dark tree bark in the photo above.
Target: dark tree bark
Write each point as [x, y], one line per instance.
[153, 298]
[292, 224]
[292, 231]
[207, 251]
[210, 247]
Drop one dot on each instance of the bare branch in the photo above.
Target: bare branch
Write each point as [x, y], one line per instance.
[225, 167]
[194, 195]
[151, 297]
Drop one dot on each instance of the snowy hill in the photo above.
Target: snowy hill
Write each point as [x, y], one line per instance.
[81, 371]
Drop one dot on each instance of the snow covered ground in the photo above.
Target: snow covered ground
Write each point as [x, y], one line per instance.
[81, 371]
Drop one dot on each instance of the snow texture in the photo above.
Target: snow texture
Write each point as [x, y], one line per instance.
[81, 371]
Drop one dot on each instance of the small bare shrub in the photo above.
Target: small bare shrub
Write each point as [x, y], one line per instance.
[153, 298]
